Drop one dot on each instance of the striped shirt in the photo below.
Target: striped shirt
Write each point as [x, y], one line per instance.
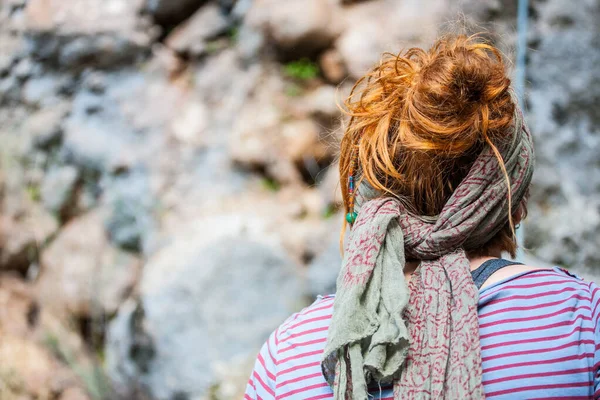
[539, 340]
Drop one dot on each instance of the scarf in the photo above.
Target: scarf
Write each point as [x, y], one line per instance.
[422, 337]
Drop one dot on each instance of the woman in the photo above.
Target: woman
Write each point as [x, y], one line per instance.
[425, 307]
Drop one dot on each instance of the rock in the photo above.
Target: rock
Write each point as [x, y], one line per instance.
[332, 66]
[74, 393]
[232, 378]
[374, 27]
[10, 89]
[298, 27]
[273, 134]
[301, 139]
[28, 369]
[191, 36]
[201, 289]
[189, 127]
[22, 236]
[24, 69]
[44, 91]
[240, 8]
[17, 246]
[171, 12]
[321, 104]
[131, 205]
[44, 128]
[323, 270]
[563, 223]
[86, 32]
[10, 51]
[256, 141]
[329, 187]
[250, 43]
[99, 135]
[81, 274]
[58, 189]
[31, 346]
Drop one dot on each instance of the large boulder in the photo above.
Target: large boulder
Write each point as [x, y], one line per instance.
[87, 32]
[106, 133]
[374, 27]
[296, 27]
[191, 36]
[207, 300]
[82, 274]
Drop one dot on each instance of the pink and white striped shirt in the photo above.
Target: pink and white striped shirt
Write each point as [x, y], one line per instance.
[539, 340]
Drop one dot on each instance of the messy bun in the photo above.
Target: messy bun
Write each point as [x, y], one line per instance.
[419, 119]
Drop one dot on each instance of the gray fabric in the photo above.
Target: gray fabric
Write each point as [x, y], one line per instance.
[423, 336]
[488, 268]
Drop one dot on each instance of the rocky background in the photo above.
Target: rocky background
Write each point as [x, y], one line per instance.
[168, 186]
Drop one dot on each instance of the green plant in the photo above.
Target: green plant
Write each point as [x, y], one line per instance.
[271, 184]
[329, 211]
[303, 69]
[34, 192]
[93, 377]
[233, 33]
[293, 90]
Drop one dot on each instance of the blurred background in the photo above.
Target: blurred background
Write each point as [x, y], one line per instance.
[168, 180]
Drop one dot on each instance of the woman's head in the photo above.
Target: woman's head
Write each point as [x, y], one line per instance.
[420, 118]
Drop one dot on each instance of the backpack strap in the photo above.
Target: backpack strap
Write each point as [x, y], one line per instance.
[485, 270]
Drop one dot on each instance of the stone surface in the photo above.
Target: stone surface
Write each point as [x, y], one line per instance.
[566, 122]
[44, 128]
[296, 26]
[86, 32]
[22, 236]
[172, 11]
[321, 104]
[374, 27]
[58, 189]
[103, 133]
[202, 284]
[161, 134]
[256, 141]
[563, 223]
[17, 246]
[31, 346]
[190, 37]
[302, 139]
[131, 205]
[332, 65]
[323, 270]
[81, 274]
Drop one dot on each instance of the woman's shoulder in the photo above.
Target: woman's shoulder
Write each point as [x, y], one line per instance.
[543, 284]
[312, 319]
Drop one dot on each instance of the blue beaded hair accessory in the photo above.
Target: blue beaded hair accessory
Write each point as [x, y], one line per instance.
[351, 216]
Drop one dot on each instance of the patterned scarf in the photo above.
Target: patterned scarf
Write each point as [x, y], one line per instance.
[424, 336]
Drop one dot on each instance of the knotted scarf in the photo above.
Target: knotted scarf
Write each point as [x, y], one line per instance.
[424, 336]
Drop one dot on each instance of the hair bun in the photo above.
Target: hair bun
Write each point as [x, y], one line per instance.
[420, 118]
[459, 95]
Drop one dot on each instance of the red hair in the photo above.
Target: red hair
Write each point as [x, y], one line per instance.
[420, 118]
